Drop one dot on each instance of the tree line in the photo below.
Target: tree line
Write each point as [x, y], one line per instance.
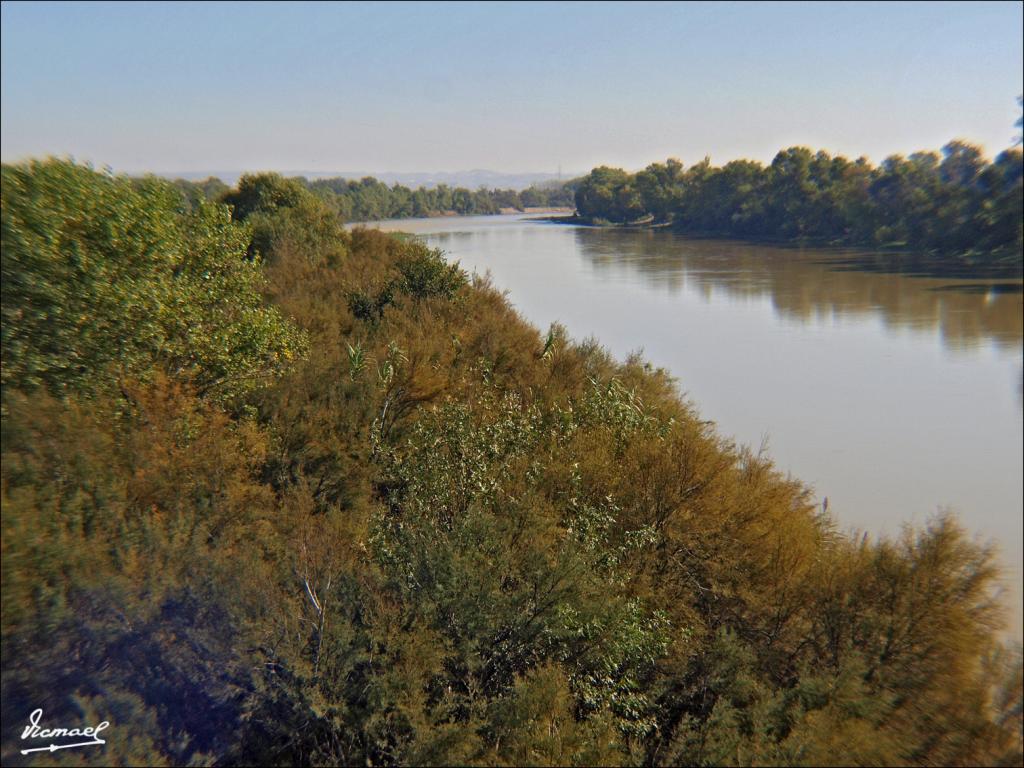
[951, 203]
[279, 493]
[369, 199]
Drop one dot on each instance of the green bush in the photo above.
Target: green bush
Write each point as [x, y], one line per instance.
[426, 274]
[105, 279]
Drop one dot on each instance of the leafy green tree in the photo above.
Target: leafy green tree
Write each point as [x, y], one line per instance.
[607, 193]
[425, 273]
[105, 279]
[955, 204]
[659, 187]
[262, 192]
[448, 542]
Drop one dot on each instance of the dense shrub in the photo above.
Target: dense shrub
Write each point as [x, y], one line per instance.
[105, 280]
[437, 539]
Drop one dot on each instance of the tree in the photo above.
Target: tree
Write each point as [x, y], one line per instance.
[262, 192]
[659, 187]
[608, 193]
[105, 279]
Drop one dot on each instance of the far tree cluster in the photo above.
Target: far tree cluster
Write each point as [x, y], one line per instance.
[369, 199]
[955, 202]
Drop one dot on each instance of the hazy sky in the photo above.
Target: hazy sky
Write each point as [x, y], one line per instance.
[509, 87]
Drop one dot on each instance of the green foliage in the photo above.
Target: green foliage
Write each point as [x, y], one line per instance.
[609, 193]
[104, 279]
[285, 216]
[959, 204]
[209, 190]
[461, 494]
[370, 200]
[371, 308]
[426, 274]
[262, 193]
[442, 538]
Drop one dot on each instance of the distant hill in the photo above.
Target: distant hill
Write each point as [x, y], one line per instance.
[473, 179]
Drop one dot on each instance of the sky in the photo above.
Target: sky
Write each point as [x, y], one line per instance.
[521, 87]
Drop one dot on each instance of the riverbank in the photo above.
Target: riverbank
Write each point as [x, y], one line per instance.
[956, 205]
[1006, 264]
[875, 379]
[538, 212]
[417, 527]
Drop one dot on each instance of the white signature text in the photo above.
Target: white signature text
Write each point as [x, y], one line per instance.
[34, 731]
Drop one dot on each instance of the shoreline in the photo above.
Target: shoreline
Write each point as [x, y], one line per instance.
[859, 257]
[991, 266]
[529, 211]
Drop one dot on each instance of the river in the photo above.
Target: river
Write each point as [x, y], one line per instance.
[893, 395]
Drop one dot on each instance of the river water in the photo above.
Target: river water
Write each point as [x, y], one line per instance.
[893, 395]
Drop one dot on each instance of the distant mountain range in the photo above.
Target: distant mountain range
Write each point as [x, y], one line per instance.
[473, 179]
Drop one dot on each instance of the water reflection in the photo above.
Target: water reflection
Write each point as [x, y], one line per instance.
[811, 285]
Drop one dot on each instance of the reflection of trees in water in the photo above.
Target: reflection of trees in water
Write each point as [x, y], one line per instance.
[810, 284]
